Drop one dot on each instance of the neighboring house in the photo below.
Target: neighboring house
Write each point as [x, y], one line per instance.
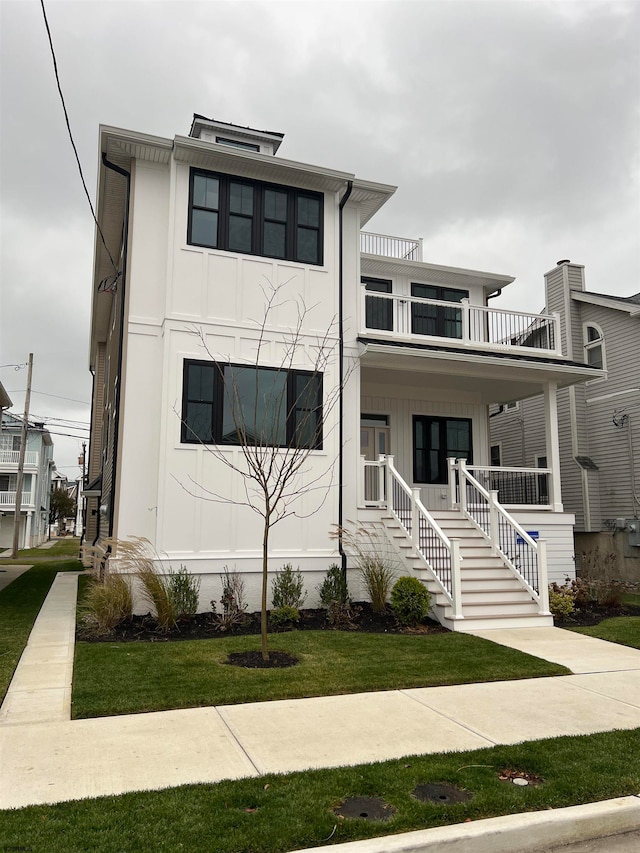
[71, 487]
[599, 424]
[36, 484]
[195, 229]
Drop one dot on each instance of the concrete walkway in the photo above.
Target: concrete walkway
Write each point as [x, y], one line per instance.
[46, 757]
[10, 573]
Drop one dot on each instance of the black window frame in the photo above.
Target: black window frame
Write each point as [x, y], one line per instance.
[219, 399]
[442, 451]
[378, 312]
[440, 315]
[295, 230]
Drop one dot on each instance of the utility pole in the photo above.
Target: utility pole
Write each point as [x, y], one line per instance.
[22, 451]
[82, 460]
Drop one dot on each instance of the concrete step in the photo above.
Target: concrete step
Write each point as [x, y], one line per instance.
[496, 598]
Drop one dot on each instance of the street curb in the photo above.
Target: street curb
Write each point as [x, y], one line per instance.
[531, 832]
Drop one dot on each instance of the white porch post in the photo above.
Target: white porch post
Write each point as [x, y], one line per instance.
[553, 444]
[466, 320]
[27, 530]
[382, 492]
[453, 500]
[362, 485]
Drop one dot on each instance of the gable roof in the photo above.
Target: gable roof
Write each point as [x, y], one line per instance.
[628, 304]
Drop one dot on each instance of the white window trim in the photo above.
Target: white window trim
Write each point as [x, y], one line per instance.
[589, 345]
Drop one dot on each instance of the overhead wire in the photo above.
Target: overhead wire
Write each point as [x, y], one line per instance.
[73, 144]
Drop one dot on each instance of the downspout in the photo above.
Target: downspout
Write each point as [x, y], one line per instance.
[123, 279]
[343, 201]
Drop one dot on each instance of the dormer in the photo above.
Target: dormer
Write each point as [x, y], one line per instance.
[235, 136]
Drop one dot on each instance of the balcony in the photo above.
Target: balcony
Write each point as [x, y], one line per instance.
[10, 458]
[8, 501]
[416, 320]
[390, 247]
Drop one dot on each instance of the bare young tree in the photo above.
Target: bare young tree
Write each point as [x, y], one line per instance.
[277, 417]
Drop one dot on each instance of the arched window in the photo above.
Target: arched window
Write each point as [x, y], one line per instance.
[594, 346]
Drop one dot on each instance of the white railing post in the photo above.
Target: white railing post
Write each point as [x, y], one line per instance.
[465, 320]
[362, 485]
[415, 519]
[388, 493]
[494, 528]
[543, 582]
[453, 500]
[557, 342]
[462, 485]
[456, 582]
[363, 307]
[381, 478]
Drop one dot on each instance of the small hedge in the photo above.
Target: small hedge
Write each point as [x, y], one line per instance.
[410, 600]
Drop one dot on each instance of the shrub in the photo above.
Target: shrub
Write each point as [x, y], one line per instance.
[410, 600]
[334, 597]
[106, 604]
[561, 600]
[284, 615]
[287, 589]
[233, 601]
[184, 590]
[378, 577]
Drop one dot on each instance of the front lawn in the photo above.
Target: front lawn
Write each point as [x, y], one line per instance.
[620, 629]
[62, 548]
[20, 603]
[274, 814]
[125, 678]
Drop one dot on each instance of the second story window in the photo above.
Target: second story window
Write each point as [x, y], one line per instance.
[378, 310]
[254, 218]
[436, 320]
[594, 346]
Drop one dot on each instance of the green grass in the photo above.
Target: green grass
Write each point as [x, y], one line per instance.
[66, 547]
[620, 629]
[124, 678]
[631, 599]
[19, 606]
[273, 814]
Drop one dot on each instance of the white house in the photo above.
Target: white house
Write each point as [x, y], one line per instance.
[36, 484]
[195, 231]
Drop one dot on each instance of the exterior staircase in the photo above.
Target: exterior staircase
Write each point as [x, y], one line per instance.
[492, 596]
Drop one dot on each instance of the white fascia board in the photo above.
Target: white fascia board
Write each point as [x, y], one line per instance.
[573, 372]
[630, 308]
[185, 147]
[400, 265]
[134, 144]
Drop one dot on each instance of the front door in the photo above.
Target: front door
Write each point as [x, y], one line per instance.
[374, 442]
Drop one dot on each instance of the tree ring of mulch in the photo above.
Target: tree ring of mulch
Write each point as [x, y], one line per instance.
[519, 777]
[442, 794]
[254, 660]
[365, 808]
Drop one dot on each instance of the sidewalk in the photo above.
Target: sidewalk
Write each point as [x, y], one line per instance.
[47, 757]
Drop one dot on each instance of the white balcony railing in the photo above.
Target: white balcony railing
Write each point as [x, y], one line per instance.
[458, 323]
[11, 457]
[8, 500]
[390, 247]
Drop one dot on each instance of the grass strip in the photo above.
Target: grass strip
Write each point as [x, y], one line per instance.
[61, 549]
[272, 814]
[125, 678]
[620, 629]
[20, 603]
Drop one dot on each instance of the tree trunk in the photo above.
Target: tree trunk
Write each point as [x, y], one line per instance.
[263, 609]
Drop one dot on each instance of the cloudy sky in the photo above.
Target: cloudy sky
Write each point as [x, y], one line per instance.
[511, 128]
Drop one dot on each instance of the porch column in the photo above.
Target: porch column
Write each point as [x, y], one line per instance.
[553, 444]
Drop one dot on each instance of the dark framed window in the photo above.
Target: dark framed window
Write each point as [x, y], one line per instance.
[255, 218]
[436, 320]
[378, 312]
[241, 404]
[434, 441]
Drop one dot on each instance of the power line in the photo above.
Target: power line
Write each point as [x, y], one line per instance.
[73, 144]
[60, 420]
[57, 396]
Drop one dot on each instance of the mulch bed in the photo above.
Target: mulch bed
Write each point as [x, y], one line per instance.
[203, 627]
[587, 618]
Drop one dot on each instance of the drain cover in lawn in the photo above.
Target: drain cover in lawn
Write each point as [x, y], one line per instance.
[365, 808]
[443, 794]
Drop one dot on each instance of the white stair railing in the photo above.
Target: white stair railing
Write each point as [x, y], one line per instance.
[526, 558]
[441, 554]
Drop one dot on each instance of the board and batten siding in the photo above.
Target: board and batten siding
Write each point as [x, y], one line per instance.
[400, 404]
[557, 529]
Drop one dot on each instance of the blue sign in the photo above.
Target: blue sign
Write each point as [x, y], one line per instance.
[534, 534]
